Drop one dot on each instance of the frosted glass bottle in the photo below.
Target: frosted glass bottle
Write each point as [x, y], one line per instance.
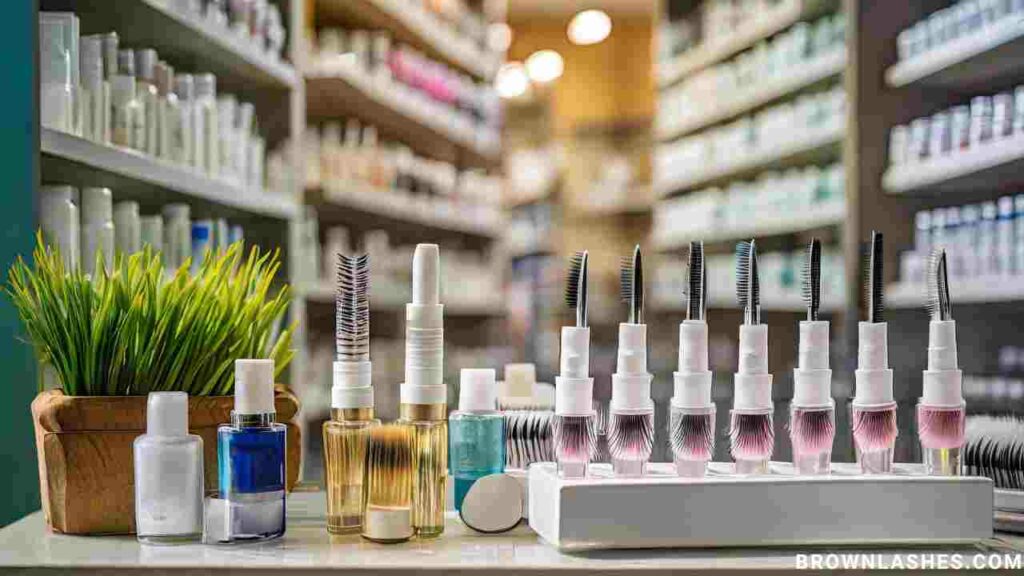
[168, 473]
[476, 432]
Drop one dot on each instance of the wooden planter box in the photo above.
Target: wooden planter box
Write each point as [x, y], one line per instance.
[84, 444]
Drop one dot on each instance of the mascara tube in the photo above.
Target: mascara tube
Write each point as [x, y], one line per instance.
[941, 410]
[573, 424]
[692, 419]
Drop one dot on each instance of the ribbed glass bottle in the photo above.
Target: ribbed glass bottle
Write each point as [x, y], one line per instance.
[345, 442]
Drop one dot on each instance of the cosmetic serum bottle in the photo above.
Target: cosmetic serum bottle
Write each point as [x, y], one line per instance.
[423, 395]
[573, 426]
[149, 97]
[346, 433]
[477, 432]
[813, 412]
[751, 426]
[631, 413]
[168, 473]
[874, 409]
[251, 457]
[941, 411]
[692, 415]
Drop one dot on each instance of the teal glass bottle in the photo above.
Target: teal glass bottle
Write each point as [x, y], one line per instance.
[476, 432]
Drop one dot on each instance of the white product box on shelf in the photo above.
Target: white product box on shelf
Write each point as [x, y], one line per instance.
[663, 510]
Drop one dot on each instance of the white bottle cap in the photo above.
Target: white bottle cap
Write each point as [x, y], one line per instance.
[184, 87]
[172, 211]
[97, 206]
[943, 380]
[388, 523]
[167, 414]
[91, 60]
[206, 85]
[145, 64]
[519, 381]
[352, 385]
[254, 386]
[632, 352]
[575, 352]
[693, 346]
[477, 390]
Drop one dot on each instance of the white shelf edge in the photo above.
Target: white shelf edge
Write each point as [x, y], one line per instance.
[271, 65]
[818, 69]
[962, 291]
[708, 53]
[951, 53]
[346, 71]
[133, 165]
[394, 204]
[324, 292]
[920, 175]
[808, 142]
[827, 216]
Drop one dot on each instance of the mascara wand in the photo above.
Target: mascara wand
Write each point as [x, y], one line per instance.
[352, 370]
[941, 411]
[692, 415]
[631, 413]
[812, 416]
[874, 409]
[751, 430]
[573, 425]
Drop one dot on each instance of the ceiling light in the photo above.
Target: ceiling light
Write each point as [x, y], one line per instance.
[499, 36]
[544, 66]
[511, 80]
[589, 27]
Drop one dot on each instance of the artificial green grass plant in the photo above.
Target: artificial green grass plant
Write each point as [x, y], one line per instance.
[135, 330]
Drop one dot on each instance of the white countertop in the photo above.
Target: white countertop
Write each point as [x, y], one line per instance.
[27, 547]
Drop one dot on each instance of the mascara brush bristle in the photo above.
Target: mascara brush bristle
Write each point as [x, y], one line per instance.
[352, 308]
[631, 285]
[874, 298]
[576, 287]
[748, 289]
[938, 304]
[812, 279]
[389, 460]
[696, 283]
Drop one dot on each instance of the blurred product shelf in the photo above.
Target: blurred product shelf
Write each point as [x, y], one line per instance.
[745, 36]
[962, 291]
[183, 36]
[393, 299]
[760, 227]
[769, 303]
[727, 106]
[391, 207]
[986, 55]
[153, 181]
[804, 148]
[986, 167]
[409, 22]
[338, 87]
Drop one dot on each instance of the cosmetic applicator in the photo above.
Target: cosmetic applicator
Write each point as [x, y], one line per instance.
[813, 412]
[631, 412]
[941, 409]
[573, 424]
[692, 418]
[874, 409]
[423, 395]
[751, 426]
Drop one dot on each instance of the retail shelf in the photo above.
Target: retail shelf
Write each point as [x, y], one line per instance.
[338, 87]
[387, 207]
[188, 41]
[728, 106]
[151, 181]
[991, 53]
[988, 167]
[745, 36]
[761, 227]
[411, 23]
[393, 300]
[962, 291]
[810, 147]
[769, 303]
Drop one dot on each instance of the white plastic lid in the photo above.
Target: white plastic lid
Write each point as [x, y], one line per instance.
[145, 63]
[184, 86]
[254, 386]
[167, 414]
[477, 390]
[172, 211]
[97, 205]
[206, 85]
[519, 380]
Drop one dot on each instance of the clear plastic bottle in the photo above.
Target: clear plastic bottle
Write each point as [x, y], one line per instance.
[477, 432]
[169, 481]
[97, 228]
[173, 120]
[183, 121]
[345, 441]
[127, 114]
[149, 97]
[205, 142]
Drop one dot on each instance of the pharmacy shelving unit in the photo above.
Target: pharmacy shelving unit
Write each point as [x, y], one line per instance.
[985, 168]
[759, 227]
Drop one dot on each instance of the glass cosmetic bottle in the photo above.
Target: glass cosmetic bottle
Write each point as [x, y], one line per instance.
[149, 97]
[205, 142]
[168, 473]
[250, 455]
[127, 115]
[184, 89]
[477, 432]
[389, 484]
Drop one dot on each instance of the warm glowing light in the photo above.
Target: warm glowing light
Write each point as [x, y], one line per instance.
[511, 81]
[499, 36]
[589, 27]
[544, 66]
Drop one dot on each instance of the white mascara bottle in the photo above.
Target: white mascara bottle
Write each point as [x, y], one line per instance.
[573, 425]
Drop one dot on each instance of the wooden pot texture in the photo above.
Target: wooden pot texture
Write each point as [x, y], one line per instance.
[84, 445]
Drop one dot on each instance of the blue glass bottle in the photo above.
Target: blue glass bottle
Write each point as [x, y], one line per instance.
[476, 432]
[251, 457]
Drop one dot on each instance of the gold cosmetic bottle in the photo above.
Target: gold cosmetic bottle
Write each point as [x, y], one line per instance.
[345, 446]
[429, 424]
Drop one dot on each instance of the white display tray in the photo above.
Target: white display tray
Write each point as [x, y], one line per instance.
[662, 510]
